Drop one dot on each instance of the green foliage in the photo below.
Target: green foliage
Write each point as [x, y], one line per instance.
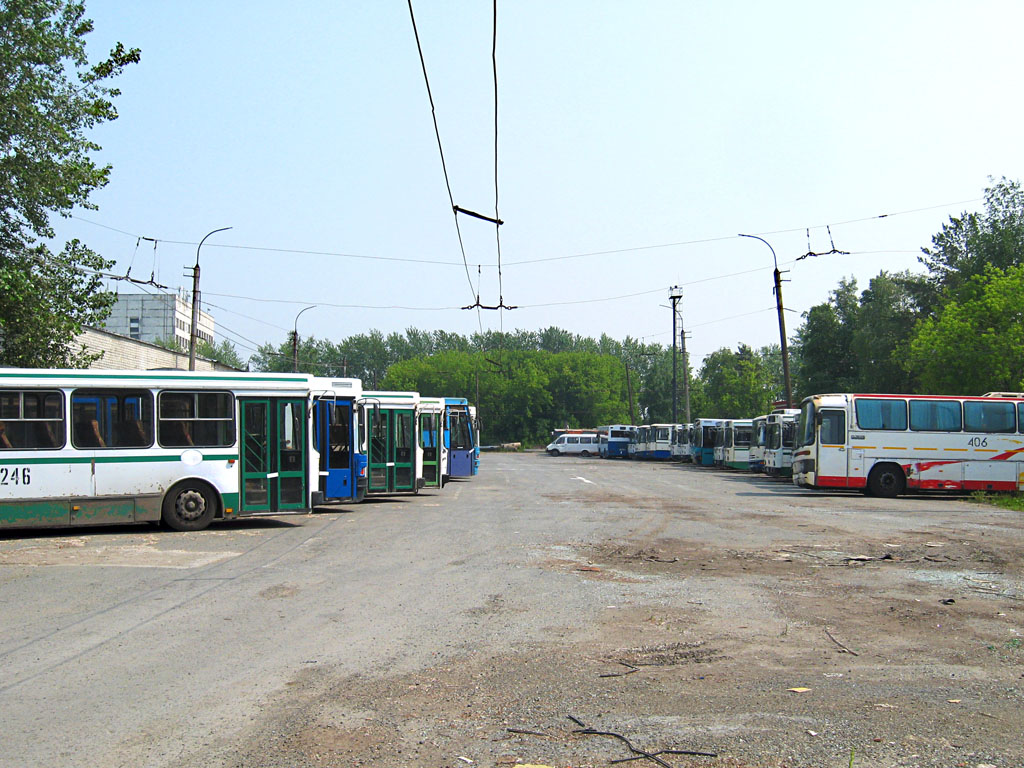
[886, 317]
[970, 243]
[224, 353]
[736, 385]
[823, 346]
[50, 97]
[527, 394]
[45, 300]
[975, 345]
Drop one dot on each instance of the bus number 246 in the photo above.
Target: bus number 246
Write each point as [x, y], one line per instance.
[15, 476]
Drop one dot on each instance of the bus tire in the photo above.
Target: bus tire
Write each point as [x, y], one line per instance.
[887, 481]
[584, 453]
[189, 506]
[554, 452]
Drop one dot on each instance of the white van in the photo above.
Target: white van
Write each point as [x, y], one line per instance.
[578, 443]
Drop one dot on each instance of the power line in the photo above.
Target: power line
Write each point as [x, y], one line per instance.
[586, 254]
[328, 304]
[271, 249]
[497, 217]
[440, 149]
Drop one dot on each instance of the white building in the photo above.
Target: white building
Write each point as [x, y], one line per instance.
[150, 318]
[127, 354]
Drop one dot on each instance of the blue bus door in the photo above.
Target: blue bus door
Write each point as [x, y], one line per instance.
[461, 452]
[333, 440]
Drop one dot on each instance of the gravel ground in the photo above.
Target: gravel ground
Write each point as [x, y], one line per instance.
[493, 623]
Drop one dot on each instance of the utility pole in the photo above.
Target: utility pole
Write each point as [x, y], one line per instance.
[675, 293]
[686, 372]
[629, 389]
[195, 303]
[782, 320]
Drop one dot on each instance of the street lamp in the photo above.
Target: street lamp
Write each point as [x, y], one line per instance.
[295, 340]
[782, 321]
[195, 302]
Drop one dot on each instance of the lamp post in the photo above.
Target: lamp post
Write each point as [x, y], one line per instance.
[675, 293]
[295, 340]
[782, 321]
[195, 302]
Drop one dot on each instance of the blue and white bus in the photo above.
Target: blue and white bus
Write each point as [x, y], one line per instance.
[460, 438]
[80, 447]
[342, 468]
[615, 440]
[703, 442]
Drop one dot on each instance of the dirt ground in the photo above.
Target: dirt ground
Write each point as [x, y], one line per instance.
[800, 630]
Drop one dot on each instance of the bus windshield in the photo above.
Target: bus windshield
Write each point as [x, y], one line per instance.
[805, 430]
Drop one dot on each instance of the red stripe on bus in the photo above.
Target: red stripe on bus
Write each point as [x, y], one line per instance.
[1007, 455]
[839, 481]
[990, 485]
[926, 465]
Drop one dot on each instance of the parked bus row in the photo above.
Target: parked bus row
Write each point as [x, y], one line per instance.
[82, 447]
[882, 444]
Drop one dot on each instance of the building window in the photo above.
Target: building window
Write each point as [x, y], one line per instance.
[135, 327]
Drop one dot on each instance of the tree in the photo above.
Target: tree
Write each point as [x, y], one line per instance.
[736, 385]
[223, 353]
[972, 241]
[50, 97]
[886, 317]
[974, 346]
[824, 344]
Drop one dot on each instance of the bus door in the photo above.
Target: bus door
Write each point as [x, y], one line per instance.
[273, 462]
[831, 466]
[429, 423]
[461, 453]
[391, 447]
[333, 419]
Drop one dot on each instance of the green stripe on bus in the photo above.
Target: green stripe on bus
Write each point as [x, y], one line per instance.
[108, 459]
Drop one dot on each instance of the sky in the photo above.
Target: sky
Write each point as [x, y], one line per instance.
[635, 140]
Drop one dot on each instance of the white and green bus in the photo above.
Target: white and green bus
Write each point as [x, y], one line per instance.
[93, 447]
[391, 439]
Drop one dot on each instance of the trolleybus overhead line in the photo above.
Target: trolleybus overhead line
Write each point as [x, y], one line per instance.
[440, 150]
[823, 253]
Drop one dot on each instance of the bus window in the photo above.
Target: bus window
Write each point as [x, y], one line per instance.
[935, 416]
[462, 438]
[882, 414]
[833, 427]
[31, 420]
[204, 419]
[989, 417]
[121, 419]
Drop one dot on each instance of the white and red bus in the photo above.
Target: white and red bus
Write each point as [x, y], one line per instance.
[887, 444]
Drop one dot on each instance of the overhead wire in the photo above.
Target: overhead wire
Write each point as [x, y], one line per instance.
[585, 254]
[497, 216]
[440, 149]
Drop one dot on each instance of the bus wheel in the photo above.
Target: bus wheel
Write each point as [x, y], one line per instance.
[584, 453]
[189, 506]
[886, 481]
[554, 452]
